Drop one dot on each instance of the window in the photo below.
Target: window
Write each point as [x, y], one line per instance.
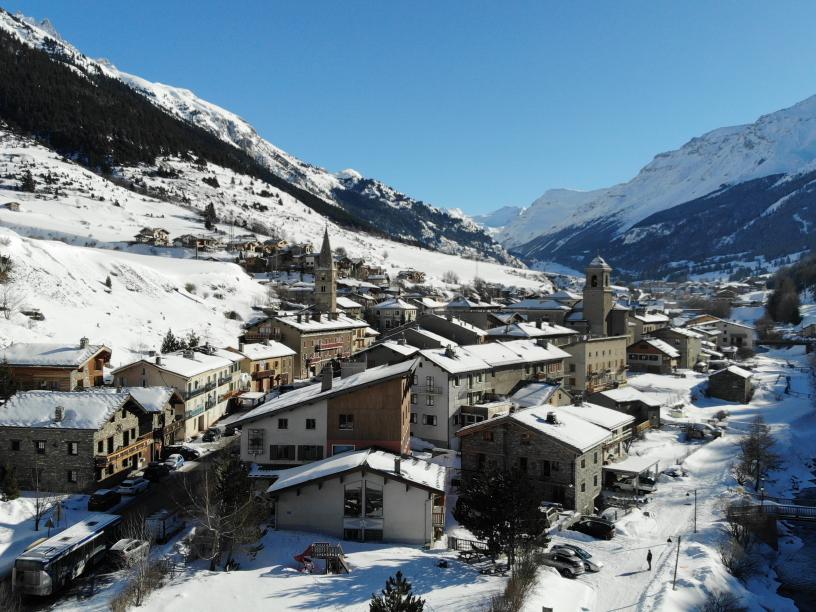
[353, 500]
[346, 421]
[572, 367]
[429, 419]
[429, 381]
[413, 417]
[308, 452]
[583, 463]
[595, 481]
[545, 468]
[39, 445]
[487, 436]
[595, 457]
[414, 379]
[523, 464]
[311, 424]
[72, 476]
[255, 442]
[413, 398]
[73, 448]
[100, 447]
[283, 423]
[455, 381]
[282, 452]
[429, 401]
[342, 448]
[583, 487]
[525, 438]
[373, 501]
[15, 445]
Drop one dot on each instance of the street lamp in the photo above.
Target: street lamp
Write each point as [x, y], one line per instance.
[695, 508]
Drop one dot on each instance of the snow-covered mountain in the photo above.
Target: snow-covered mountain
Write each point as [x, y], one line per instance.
[558, 224]
[395, 213]
[499, 217]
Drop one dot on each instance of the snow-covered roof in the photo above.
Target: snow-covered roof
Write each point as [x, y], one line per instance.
[532, 351]
[344, 302]
[534, 394]
[682, 331]
[599, 415]
[192, 365]
[53, 548]
[399, 347]
[433, 336]
[537, 304]
[651, 317]
[152, 399]
[634, 464]
[81, 409]
[416, 471]
[569, 429]
[734, 370]
[430, 302]
[52, 355]
[394, 304]
[530, 330]
[495, 354]
[455, 360]
[314, 393]
[459, 323]
[308, 324]
[663, 347]
[269, 350]
[599, 262]
[370, 331]
[629, 394]
[563, 295]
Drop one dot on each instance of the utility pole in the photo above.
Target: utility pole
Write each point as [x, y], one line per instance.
[676, 562]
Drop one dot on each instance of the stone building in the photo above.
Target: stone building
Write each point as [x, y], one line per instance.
[687, 341]
[652, 355]
[595, 363]
[562, 454]
[391, 313]
[55, 366]
[71, 441]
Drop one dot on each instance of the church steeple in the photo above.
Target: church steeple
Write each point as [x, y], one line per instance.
[325, 286]
[598, 297]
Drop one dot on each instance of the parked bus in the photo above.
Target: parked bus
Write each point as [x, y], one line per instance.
[47, 567]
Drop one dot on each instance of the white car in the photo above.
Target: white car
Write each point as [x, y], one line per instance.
[128, 551]
[133, 486]
[174, 461]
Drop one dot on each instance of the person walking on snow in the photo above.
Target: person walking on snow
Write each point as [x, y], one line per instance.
[649, 559]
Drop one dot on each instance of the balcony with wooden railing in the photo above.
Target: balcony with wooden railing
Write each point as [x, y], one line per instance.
[260, 374]
[142, 443]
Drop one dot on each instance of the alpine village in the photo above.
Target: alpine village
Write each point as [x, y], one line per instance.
[229, 377]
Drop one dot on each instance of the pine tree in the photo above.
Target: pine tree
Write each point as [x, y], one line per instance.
[396, 597]
[8, 484]
[108, 282]
[193, 340]
[27, 182]
[171, 343]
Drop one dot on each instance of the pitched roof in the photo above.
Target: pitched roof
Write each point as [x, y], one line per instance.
[530, 330]
[398, 347]
[651, 317]
[46, 354]
[187, 367]
[599, 262]
[599, 415]
[534, 393]
[308, 324]
[270, 350]
[81, 409]
[629, 394]
[152, 399]
[454, 360]
[412, 470]
[537, 304]
[344, 302]
[395, 303]
[660, 345]
[314, 393]
[734, 370]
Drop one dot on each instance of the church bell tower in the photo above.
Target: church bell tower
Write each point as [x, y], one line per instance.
[325, 290]
[598, 298]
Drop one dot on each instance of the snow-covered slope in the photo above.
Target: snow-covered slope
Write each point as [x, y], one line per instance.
[783, 142]
[390, 211]
[499, 217]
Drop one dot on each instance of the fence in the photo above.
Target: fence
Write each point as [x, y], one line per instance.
[464, 545]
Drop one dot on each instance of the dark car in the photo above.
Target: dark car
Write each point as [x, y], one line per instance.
[231, 430]
[595, 527]
[189, 454]
[104, 499]
[211, 435]
[155, 471]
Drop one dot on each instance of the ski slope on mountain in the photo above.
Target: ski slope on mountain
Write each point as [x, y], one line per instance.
[782, 142]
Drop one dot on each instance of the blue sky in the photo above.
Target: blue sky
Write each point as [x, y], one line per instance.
[465, 104]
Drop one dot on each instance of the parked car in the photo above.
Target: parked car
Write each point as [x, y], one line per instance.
[104, 499]
[644, 485]
[174, 462]
[212, 435]
[566, 562]
[133, 486]
[189, 453]
[156, 470]
[128, 551]
[595, 527]
[586, 557]
[676, 472]
[231, 430]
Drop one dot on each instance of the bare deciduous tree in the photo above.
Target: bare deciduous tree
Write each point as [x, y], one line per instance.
[757, 456]
[43, 500]
[11, 297]
[450, 277]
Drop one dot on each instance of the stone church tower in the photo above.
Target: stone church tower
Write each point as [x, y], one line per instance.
[598, 298]
[325, 291]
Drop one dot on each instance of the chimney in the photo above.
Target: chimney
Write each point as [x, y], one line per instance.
[397, 466]
[551, 418]
[578, 399]
[188, 354]
[538, 324]
[158, 360]
[326, 378]
[300, 318]
[542, 342]
[83, 342]
[59, 413]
